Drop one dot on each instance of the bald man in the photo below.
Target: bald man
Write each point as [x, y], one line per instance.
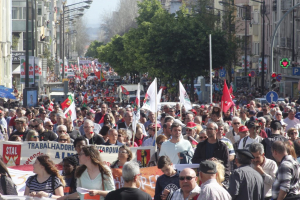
[188, 185]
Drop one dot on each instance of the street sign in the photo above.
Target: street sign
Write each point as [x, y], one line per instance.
[296, 71]
[272, 96]
[278, 77]
[222, 73]
[216, 73]
[285, 63]
[252, 74]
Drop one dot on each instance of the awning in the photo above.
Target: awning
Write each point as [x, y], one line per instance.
[17, 70]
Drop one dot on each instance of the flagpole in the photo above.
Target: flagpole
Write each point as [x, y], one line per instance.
[210, 67]
[155, 113]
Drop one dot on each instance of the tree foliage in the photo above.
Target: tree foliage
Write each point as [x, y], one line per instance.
[92, 50]
[169, 46]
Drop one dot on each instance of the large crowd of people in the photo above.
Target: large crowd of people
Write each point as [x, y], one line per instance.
[249, 152]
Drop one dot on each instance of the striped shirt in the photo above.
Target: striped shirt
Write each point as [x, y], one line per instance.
[34, 186]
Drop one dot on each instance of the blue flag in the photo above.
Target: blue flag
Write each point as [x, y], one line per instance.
[6, 89]
[6, 94]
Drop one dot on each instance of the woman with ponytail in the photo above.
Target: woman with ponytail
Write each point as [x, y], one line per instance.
[47, 182]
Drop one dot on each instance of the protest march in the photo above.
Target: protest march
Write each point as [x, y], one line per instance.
[137, 141]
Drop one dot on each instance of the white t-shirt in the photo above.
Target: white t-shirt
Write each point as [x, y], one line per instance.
[295, 123]
[249, 141]
[172, 149]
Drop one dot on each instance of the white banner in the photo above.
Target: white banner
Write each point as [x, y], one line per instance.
[24, 153]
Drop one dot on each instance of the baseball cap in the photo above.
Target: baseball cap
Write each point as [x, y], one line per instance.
[208, 167]
[245, 152]
[191, 125]
[243, 129]
[253, 123]
[276, 125]
[252, 112]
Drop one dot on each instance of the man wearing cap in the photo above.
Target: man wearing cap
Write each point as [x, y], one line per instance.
[20, 128]
[212, 149]
[151, 130]
[191, 135]
[275, 128]
[252, 113]
[254, 130]
[291, 121]
[243, 132]
[210, 188]
[266, 167]
[245, 183]
[286, 184]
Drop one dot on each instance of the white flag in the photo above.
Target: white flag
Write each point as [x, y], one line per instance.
[158, 99]
[136, 113]
[150, 97]
[184, 98]
[50, 108]
[71, 112]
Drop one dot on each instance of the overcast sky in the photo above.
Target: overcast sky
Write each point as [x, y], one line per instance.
[93, 15]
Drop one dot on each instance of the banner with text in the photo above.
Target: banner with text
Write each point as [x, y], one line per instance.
[24, 153]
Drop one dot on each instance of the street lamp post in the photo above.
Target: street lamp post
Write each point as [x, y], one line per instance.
[63, 27]
[245, 38]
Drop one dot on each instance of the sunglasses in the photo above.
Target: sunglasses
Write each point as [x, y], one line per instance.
[50, 125]
[203, 137]
[188, 178]
[35, 136]
[35, 126]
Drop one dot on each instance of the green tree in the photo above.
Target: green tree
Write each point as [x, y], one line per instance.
[92, 50]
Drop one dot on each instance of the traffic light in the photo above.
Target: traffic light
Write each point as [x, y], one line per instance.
[273, 81]
[249, 77]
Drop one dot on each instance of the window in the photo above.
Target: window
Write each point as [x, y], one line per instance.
[24, 13]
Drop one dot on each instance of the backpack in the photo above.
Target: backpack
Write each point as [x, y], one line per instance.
[3, 184]
[245, 140]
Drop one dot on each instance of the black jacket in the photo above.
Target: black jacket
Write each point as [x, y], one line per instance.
[221, 153]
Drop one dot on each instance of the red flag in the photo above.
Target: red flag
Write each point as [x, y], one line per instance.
[101, 120]
[124, 91]
[226, 99]
[230, 89]
[98, 74]
[84, 75]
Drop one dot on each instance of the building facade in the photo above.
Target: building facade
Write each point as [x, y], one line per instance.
[5, 44]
